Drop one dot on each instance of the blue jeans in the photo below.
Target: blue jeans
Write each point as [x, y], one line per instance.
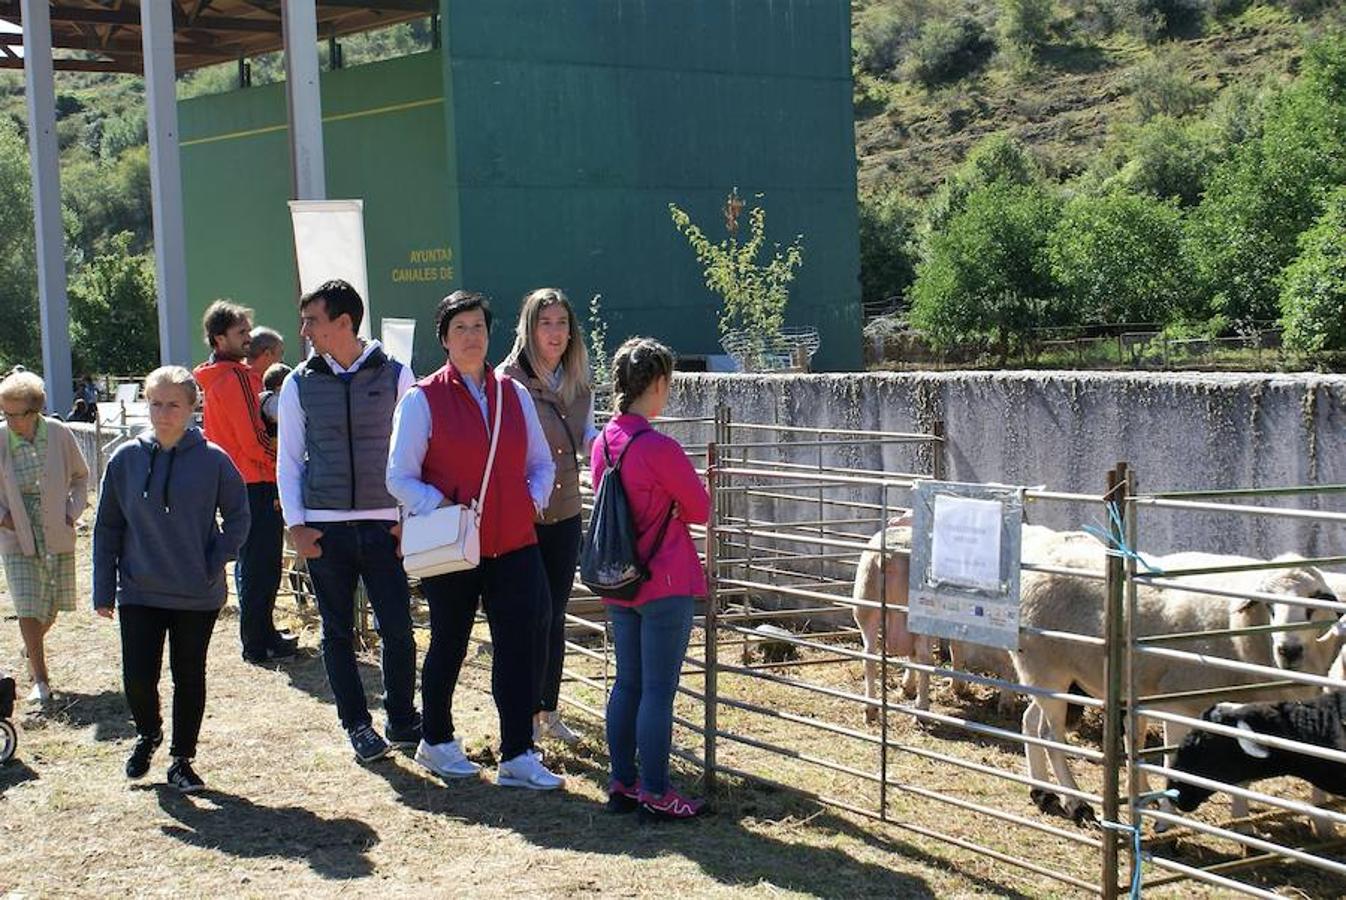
[651, 641]
[354, 551]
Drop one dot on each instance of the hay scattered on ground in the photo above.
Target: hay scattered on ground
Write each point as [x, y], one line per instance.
[289, 812]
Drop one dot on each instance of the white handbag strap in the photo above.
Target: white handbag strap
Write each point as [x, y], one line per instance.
[490, 456]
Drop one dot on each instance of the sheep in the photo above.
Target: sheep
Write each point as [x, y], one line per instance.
[1076, 605]
[1219, 757]
[963, 655]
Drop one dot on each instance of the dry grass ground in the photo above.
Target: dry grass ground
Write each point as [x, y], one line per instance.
[290, 813]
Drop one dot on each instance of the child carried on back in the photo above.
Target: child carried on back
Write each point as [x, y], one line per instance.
[270, 395]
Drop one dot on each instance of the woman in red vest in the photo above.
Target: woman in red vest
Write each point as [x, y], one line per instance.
[440, 443]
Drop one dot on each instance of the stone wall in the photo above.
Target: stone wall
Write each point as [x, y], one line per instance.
[1182, 431]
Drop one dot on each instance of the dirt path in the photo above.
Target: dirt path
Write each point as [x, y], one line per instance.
[289, 812]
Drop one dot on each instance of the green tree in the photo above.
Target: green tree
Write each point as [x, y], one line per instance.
[988, 275]
[998, 159]
[1313, 287]
[1118, 258]
[1245, 231]
[113, 312]
[887, 245]
[1167, 159]
[754, 289]
[107, 198]
[20, 340]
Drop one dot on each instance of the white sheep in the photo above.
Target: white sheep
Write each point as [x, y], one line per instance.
[1076, 605]
[901, 642]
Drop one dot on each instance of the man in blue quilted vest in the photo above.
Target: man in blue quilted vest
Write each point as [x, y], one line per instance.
[335, 415]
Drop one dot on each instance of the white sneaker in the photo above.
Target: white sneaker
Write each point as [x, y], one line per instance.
[41, 693]
[526, 771]
[446, 760]
[551, 726]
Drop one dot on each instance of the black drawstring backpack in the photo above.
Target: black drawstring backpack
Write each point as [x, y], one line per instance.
[610, 565]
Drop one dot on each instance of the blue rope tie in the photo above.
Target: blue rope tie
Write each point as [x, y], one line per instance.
[1112, 539]
[1138, 855]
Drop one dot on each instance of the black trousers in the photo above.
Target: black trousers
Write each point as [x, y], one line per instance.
[559, 545]
[513, 591]
[143, 630]
[257, 570]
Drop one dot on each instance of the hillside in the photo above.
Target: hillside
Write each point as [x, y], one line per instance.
[1069, 100]
[1064, 100]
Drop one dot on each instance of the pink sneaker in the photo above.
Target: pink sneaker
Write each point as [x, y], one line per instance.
[671, 805]
[623, 799]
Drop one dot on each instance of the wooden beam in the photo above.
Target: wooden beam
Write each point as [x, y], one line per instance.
[383, 6]
[132, 18]
[123, 47]
[78, 65]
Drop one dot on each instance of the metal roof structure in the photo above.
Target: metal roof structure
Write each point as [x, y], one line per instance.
[107, 33]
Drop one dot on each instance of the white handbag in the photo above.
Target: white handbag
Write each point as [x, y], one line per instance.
[447, 539]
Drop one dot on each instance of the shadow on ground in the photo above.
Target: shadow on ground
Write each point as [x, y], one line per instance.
[106, 712]
[214, 820]
[729, 845]
[16, 771]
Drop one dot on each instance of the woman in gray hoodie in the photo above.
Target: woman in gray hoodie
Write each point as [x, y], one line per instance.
[158, 557]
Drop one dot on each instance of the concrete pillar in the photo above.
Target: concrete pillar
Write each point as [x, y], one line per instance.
[304, 99]
[53, 305]
[170, 256]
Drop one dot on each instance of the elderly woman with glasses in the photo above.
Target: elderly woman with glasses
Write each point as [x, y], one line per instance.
[43, 489]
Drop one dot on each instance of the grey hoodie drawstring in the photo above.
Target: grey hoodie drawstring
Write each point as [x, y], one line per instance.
[154, 453]
[168, 475]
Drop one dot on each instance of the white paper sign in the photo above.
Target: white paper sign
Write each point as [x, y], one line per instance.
[399, 338]
[329, 242]
[965, 544]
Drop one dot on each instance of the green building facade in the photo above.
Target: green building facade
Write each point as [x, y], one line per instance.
[541, 146]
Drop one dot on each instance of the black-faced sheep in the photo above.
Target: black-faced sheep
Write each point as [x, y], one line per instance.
[1076, 605]
[1231, 760]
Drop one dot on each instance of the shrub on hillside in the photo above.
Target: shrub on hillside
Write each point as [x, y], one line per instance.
[887, 246]
[948, 49]
[1154, 19]
[1118, 258]
[1162, 86]
[988, 275]
[1023, 22]
[880, 34]
[1313, 287]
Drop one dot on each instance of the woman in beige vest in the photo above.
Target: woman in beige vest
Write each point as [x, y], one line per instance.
[550, 360]
[43, 489]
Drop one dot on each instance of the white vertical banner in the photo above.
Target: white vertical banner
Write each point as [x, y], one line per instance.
[398, 338]
[329, 242]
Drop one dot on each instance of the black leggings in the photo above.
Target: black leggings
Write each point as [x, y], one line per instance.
[188, 631]
[560, 548]
[512, 589]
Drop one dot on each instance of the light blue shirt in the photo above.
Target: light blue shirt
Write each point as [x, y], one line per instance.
[292, 458]
[411, 439]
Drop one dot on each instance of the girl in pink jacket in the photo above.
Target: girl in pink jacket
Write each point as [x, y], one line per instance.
[650, 633]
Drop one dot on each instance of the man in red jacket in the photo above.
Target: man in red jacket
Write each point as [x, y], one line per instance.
[232, 419]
